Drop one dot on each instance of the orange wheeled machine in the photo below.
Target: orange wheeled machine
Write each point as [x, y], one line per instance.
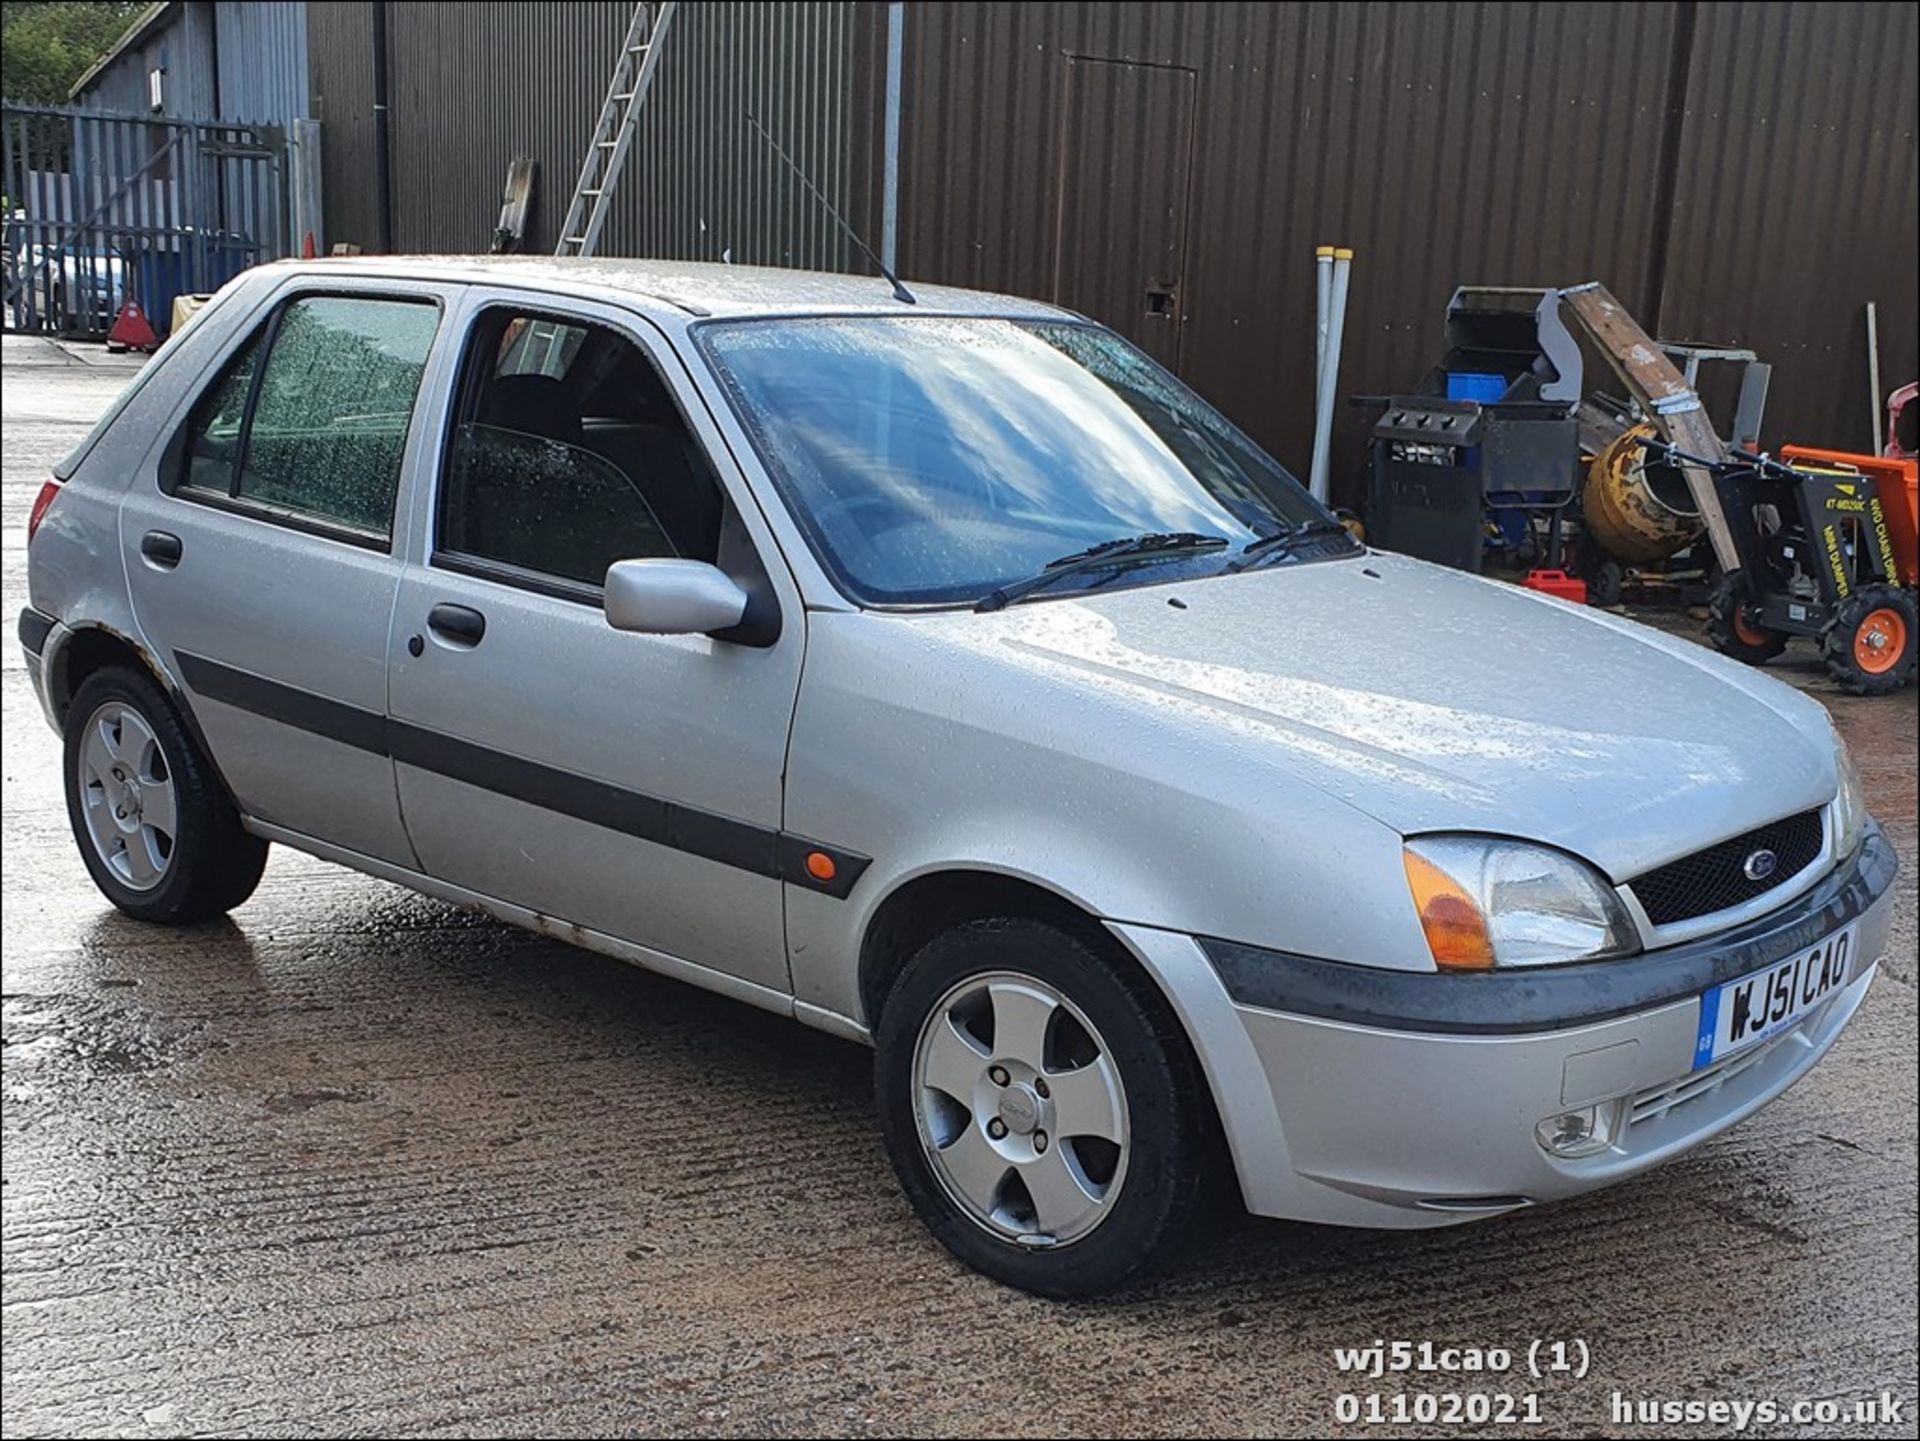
[1824, 545]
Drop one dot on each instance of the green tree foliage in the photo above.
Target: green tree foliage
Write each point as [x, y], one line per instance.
[46, 45]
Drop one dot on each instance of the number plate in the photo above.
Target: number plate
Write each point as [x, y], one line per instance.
[1744, 1012]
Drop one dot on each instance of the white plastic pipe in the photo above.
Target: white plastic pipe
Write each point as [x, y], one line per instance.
[1322, 299]
[1873, 376]
[1330, 377]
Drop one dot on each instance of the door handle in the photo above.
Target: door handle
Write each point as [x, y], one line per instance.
[161, 549]
[460, 624]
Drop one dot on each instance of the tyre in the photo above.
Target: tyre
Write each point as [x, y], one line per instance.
[154, 826]
[1731, 627]
[1042, 1108]
[1870, 646]
[1606, 583]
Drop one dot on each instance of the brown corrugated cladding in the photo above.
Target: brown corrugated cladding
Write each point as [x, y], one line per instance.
[1447, 143]
[476, 85]
[702, 183]
[1797, 201]
[340, 76]
[1482, 143]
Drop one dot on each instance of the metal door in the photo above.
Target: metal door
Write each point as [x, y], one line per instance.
[1125, 164]
[628, 784]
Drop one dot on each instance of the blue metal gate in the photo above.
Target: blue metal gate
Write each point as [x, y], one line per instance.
[105, 208]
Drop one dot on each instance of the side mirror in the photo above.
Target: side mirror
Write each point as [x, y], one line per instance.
[672, 597]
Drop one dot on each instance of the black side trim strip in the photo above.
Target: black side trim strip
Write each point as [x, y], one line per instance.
[1551, 998]
[303, 710]
[35, 627]
[742, 845]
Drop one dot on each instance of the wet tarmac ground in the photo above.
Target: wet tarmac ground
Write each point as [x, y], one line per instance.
[358, 1162]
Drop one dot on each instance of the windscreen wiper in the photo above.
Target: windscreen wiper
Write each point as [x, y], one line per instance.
[1127, 550]
[1282, 542]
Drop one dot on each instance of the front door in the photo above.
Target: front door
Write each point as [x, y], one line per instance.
[261, 557]
[1120, 238]
[628, 784]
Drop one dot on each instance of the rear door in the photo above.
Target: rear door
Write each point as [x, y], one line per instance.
[262, 558]
[628, 784]
[1125, 162]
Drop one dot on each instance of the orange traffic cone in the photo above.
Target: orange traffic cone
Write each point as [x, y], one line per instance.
[131, 331]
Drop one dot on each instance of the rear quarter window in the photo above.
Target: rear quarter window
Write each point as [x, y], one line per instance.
[310, 418]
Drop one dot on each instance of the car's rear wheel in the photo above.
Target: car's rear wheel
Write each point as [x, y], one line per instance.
[1043, 1110]
[156, 831]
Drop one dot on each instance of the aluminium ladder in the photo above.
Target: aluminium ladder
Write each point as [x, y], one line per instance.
[613, 134]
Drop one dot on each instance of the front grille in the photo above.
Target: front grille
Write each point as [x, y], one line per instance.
[1656, 1101]
[1715, 879]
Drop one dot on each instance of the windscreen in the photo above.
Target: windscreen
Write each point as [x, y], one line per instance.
[931, 460]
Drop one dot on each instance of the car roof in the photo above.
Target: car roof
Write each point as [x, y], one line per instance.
[697, 288]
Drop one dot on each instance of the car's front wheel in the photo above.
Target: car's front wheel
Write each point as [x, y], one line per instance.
[154, 826]
[1043, 1110]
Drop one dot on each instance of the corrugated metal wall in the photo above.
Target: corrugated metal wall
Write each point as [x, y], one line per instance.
[476, 85]
[1446, 143]
[224, 60]
[1797, 200]
[701, 181]
[1733, 172]
[340, 76]
[262, 60]
[182, 48]
[488, 82]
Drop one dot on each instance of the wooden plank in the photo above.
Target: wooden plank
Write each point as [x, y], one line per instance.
[1671, 404]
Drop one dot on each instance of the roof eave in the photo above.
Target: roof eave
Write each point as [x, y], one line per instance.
[144, 24]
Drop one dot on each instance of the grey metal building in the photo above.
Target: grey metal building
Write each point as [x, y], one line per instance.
[185, 157]
[240, 60]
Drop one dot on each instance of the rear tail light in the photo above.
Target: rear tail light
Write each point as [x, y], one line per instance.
[40, 504]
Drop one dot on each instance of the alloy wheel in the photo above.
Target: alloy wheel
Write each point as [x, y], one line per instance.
[127, 796]
[1021, 1109]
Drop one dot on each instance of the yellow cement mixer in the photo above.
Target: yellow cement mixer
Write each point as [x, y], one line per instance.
[1636, 511]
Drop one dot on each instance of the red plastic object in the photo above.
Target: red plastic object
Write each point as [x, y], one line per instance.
[1557, 582]
[1906, 398]
[132, 330]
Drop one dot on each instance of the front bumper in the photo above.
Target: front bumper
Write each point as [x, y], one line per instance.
[1401, 1100]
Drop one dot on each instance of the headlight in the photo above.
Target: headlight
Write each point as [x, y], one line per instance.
[1849, 804]
[1487, 902]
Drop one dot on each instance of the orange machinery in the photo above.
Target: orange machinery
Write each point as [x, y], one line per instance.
[1898, 482]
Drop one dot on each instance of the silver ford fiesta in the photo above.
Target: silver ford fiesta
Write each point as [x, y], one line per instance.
[946, 675]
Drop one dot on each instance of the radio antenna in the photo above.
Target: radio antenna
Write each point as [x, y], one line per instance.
[900, 292]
